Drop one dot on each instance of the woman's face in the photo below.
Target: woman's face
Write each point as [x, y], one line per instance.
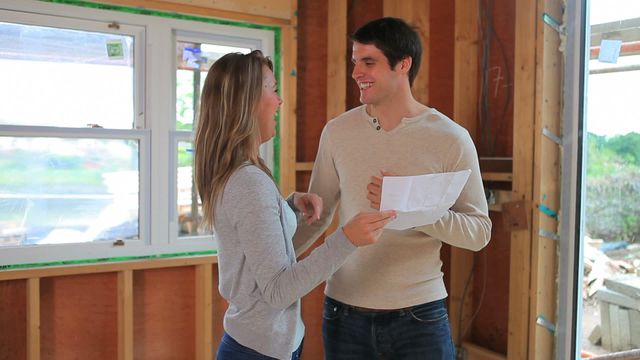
[269, 105]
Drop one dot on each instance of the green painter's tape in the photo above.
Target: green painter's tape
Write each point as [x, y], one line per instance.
[276, 141]
[165, 14]
[105, 260]
[171, 15]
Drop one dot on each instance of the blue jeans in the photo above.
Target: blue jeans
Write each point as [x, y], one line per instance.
[420, 332]
[230, 349]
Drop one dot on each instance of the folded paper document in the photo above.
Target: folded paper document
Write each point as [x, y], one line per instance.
[421, 199]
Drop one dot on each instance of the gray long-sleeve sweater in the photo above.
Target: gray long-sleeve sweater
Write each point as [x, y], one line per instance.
[258, 272]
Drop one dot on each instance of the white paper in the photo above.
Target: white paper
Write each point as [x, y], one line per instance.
[421, 199]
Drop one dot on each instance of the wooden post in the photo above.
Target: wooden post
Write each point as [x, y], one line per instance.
[336, 58]
[204, 311]
[33, 318]
[417, 14]
[125, 315]
[475, 352]
[288, 80]
[465, 113]
[466, 52]
[522, 185]
[546, 180]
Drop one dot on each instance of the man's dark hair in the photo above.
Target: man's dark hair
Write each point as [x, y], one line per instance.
[395, 38]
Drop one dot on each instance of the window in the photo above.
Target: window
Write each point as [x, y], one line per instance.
[96, 134]
[195, 53]
[595, 124]
[70, 145]
[194, 57]
[67, 74]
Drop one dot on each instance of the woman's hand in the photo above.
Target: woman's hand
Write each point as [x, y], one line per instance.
[374, 189]
[366, 227]
[309, 205]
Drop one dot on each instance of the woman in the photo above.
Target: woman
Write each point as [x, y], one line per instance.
[258, 272]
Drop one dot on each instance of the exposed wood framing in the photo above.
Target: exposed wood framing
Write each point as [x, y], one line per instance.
[33, 319]
[201, 9]
[336, 72]
[218, 309]
[496, 176]
[108, 267]
[272, 8]
[204, 311]
[501, 197]
[336, 58]
[522, 184]
[204, 284]
[466, 52]
[125, 315]
[304, 166]
[465, 105]
[546, 181]
[475, 352]
[416, 13]
[289, 51]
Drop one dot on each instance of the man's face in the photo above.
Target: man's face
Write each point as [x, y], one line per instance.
[376, 80]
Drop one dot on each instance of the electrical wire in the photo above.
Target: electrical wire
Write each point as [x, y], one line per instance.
[488, 137]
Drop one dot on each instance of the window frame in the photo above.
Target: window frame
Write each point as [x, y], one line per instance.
[92, 25]
[568, 334]
[188, 34]
[155, 100]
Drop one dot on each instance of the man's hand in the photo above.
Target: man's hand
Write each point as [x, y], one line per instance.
[309, 205]
[366, 227]
[374, 189]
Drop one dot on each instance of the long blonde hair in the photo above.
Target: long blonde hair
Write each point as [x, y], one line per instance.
[227, 133]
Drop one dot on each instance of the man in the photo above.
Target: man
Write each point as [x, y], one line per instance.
[388, 300]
